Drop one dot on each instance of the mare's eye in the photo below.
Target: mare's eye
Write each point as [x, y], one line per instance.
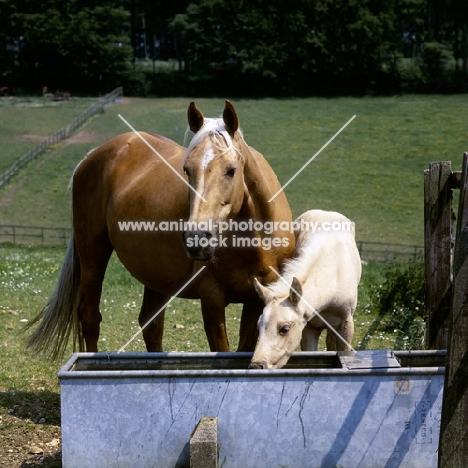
[230, 173]
[284, 329]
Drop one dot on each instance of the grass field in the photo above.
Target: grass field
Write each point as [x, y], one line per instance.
[372, 172]
[28, 274]
[29, 388]
[25, 122]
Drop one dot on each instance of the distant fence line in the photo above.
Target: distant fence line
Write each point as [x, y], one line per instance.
[32, 235]
[52, 236]
[390, 253]
[59, 135]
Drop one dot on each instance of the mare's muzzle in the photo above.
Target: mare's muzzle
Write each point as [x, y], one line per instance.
[199, 245]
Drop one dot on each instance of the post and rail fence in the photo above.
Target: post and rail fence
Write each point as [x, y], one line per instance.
[33, 235]
[59, 135]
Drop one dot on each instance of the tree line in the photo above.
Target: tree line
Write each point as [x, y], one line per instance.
[247, 47]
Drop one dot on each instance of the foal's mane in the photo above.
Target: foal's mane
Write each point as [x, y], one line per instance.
[217, 129]
[298, 265]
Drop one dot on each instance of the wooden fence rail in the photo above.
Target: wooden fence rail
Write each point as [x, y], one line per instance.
[33, 235]
[390, 253]
[59, 135]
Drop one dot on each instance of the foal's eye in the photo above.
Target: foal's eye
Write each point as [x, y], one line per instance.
[230, 173]
[186, 172]
[284, 329]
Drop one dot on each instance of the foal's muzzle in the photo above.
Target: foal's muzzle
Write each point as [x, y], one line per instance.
[258, 365]
[199, 245]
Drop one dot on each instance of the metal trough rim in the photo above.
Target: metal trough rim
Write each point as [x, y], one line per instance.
[67, 372]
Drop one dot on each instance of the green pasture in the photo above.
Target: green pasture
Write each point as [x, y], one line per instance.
[28, 275]
[25, 122]
[372, 171]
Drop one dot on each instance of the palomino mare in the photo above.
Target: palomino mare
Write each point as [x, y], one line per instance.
[124, 180]
[324, 276]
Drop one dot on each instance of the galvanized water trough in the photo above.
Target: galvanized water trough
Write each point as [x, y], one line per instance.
[326, 409]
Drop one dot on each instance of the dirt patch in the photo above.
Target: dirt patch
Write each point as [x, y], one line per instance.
[83, 136]
[33, 138]
[30, 430]
[86, 136]
[26, 444]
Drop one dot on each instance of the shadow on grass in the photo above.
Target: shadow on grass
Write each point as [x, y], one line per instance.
[375, 325]
[41, 407]
[51, 461]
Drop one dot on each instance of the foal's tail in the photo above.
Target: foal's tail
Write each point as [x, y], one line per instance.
[59, 318]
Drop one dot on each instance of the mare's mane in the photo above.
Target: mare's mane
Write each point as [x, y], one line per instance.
[217, 129]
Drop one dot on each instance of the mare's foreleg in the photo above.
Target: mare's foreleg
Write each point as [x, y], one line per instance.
[153, 303]
[214, 316]
[248, 332]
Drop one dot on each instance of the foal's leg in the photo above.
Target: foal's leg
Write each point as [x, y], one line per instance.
[248, 332]
[310, 338]
[346, 330]
[93, 265]
[332, 340]
[153, 332]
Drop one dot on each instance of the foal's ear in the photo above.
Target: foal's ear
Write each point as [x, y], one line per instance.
[231, 121]
[295, 292]
[195, 118]
[263, 292]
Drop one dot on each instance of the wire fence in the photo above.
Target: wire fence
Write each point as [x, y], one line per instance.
[59, 135]
[54, 236]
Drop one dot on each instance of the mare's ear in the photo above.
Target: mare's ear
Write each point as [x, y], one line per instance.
[231, 121]
[263, 292]
[195, 118]
[295, 292]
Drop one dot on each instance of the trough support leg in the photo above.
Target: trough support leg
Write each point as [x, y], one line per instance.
[204, 444]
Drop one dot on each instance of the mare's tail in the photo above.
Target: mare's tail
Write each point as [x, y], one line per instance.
[59, 318]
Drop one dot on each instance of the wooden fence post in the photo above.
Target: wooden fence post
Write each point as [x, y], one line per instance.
[453, 446]
[437, 252]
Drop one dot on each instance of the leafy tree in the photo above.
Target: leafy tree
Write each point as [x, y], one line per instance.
[70, 44]
[288, 41]
[459, 13]
[349, 41]
[254, 46]
[7, 46]
[151, 27]
[252, 41]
